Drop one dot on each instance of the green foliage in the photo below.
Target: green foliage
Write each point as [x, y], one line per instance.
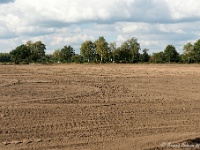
[191, 53]
[66, 54]
[30, 52]
[112, 48]
[77, 58]
[102, 48]
[188, 53]
[157, 57]
[127, 53]
[145, 56]
[22, 54]
[197, 51]
[170, 54]
[57, 55]
[5, 57]
[100, 51]
[133, 47]
[116, 54]
[47, 59]
[88, 51]
[37, 50]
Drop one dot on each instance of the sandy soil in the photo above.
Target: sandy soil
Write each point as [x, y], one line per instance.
[98, 107]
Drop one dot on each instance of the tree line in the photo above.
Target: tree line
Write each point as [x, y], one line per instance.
[100, 51]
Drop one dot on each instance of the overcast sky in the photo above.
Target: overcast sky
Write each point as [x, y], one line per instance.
[155, 23]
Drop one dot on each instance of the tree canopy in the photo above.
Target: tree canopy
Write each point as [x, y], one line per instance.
[66, 53]
[170, 54]
[102, 51]
[102, 48]
[21, 54]
[88, 51]
[37, 50]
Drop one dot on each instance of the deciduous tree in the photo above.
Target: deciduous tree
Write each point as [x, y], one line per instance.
[5, 57]
[21, 54]
[37, 50]
[102, 48]
[57, 55]
[88, 50]
[170, 54]
[188, 53]
[130, 50]
[197, 51]
[145, 56]
[157, 57]
[66, 53]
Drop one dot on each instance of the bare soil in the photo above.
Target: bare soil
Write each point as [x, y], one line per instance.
[98, 107]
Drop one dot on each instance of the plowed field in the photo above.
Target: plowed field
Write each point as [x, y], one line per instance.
[98, 107]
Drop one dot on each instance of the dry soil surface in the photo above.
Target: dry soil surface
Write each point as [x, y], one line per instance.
[99, 107]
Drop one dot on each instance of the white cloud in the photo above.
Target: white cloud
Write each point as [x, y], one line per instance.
[184, 9]
[121, 39]
[171, 28]
[58, 23]
[71, 39]
[133, 27]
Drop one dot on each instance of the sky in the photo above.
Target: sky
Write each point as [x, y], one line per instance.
[155, 23]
